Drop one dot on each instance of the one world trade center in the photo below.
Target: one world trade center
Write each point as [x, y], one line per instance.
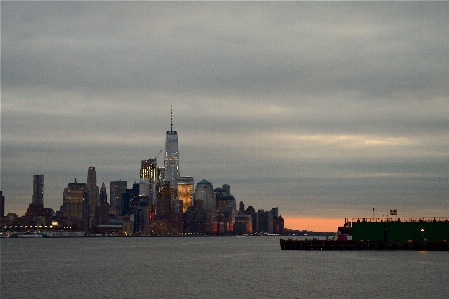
[171, 160]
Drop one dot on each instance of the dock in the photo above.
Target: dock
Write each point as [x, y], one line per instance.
[290, 244]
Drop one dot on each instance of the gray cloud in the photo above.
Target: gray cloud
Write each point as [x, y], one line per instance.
[322, 109]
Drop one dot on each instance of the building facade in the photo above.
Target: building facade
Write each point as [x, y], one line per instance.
[149, 173]
[204, 192]
[38, 189]
[102, 209]
[116, 189]
[93, 195]
[185, 192]
[74, 206]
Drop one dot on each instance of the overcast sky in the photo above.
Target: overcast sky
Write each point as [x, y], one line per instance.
[321, 109]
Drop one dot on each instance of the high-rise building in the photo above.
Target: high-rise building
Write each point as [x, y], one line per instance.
[171, 159]
[148, 169]
[204, 192]
[93, 196]
[116, 189]
[149, 174]
[36, 214]
[185, 192]
[103, 194]
[225, 204]
[75, 204]
[241, 207]
[102, 209]
[164, 202]
[243, 224]
[2, 205]
[92, 189]
[38, 189]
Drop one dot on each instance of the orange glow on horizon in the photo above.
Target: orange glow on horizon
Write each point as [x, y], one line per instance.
[314, 224]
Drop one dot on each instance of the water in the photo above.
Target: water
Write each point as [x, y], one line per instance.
[212, 267]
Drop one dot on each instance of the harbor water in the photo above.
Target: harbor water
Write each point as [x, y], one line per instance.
[211, 267]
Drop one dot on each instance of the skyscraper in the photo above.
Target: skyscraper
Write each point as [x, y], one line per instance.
[102, 209]
[92, 190]
[75, 203]
[148, 169]
[204, 192]
[149, 174]
[116, 188]
[171, 159]
[185, 192]
[38, 189]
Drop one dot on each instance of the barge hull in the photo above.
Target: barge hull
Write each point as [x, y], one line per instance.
[363, 245]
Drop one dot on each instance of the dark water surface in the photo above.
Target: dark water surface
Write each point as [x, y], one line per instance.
[212, 267]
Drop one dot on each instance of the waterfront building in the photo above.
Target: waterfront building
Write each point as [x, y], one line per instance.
[185, 192]
[265, 221]
[38, 189]
[204, 192]
[226, 205]
[74, 206]
[116, 189]
[36, 215]
[243, 224]
[278, 223]
[191, 221]
[171, 159]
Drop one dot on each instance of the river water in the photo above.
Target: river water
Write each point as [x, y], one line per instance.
[212, 267]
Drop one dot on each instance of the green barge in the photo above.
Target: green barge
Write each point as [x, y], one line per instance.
[430, 234]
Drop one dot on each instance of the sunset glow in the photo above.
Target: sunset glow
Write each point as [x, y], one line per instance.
[314, 224]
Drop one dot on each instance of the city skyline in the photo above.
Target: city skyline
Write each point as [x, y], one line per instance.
[325, 110]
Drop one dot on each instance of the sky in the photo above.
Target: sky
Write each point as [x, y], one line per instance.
[323, 109]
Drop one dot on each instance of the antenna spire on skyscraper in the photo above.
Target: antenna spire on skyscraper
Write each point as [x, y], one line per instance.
[171, 119]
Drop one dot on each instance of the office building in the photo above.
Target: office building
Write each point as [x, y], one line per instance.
[38, 189]
[171, 159]
[116, 189]
[243, 224]
[149, 173]
[148, 170]
[185, 192]
[74, 206]
[204, 192]
[92, 189]
[102, 209]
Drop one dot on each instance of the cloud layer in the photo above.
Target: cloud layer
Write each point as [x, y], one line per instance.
[321, 109]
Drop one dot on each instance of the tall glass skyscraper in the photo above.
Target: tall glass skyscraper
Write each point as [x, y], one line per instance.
[204, 192]
[171, 160]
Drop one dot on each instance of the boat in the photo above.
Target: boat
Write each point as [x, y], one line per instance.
[30, 235]
[5, 235]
